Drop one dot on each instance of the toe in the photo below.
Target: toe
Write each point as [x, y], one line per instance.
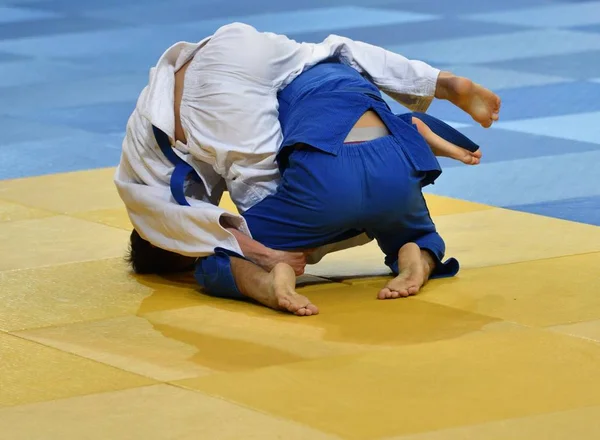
[294, 303]
[284, 304]
[413, 290]
[290, 306]
[383, 293]
[307, 310]
[301, 312]
[391, 293]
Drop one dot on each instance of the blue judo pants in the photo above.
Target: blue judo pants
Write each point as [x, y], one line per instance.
[367, 187]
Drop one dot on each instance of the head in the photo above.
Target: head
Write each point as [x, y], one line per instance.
[145, 258]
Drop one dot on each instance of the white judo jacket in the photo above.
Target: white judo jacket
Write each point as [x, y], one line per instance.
[229, 114]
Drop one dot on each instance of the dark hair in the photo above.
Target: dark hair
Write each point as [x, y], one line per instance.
[145, 258]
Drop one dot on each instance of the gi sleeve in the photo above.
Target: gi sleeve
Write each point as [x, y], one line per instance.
[142, 180]
[277, 60]
[410, 82]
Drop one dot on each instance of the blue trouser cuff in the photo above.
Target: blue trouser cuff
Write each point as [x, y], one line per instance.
[214, 274]
[446, 269]
[434, 244]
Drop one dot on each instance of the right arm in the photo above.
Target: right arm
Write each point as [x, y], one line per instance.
[268, 258]
[142, 180]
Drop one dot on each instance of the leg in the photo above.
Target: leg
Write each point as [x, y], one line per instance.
[419, 258]
[413, 248]
[399, 218]
[313, 205]
[482, 104]
[229, 276]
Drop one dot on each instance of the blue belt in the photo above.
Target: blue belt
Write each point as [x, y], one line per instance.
[182, 170]
[368, 92]
[436, 125]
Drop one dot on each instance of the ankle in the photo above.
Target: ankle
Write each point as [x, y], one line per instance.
[428, 263]
[443, 87]
[250, 278]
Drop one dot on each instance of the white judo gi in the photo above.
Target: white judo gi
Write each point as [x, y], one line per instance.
[229, 113]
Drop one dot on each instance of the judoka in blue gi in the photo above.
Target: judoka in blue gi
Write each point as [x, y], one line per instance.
[310, 153]
[341, 179]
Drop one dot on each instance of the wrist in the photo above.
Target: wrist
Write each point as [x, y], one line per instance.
[260, 255]
[252, 249]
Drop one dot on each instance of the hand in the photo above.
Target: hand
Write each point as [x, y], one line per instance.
[268, 258]
[460, 154]
[297, 260]
[442, 148]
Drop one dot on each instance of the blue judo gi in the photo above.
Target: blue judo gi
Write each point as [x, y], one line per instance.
[331, 191]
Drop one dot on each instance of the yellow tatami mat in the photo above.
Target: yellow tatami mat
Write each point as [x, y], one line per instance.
[509, 349]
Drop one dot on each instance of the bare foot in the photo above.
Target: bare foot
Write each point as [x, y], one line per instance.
[280, 293]
[415, 268]
[482, 104]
